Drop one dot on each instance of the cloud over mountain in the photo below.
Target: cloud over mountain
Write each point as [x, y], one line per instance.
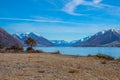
[73, 4]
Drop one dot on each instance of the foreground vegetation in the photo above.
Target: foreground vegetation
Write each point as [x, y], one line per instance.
[102, 56]
[46, 66]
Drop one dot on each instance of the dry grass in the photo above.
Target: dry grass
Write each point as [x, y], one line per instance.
[56, 67]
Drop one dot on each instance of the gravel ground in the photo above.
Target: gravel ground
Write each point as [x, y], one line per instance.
[43, 66]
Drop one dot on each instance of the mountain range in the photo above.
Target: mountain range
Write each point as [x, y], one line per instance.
[104, 38]
[41, 41]
[64, 43]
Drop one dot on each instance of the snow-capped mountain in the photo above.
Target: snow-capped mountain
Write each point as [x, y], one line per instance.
[108, 38]
[70, 43]
[41, 41]
[75, 42]
[60, 43]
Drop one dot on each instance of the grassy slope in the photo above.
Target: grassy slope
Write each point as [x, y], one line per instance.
[56, 67]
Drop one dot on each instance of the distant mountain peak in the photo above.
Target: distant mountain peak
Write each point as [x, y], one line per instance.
[109, 30]
[114, 30]
[109, 37]
[37, 34]
[100, 32]
[64, 43]
[41, 41]
[27, 33]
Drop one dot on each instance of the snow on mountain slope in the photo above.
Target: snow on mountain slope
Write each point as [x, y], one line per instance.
[41, 41]
[71, 43]
[107, 38]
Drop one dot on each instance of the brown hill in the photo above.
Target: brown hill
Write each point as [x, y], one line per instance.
[8, 40]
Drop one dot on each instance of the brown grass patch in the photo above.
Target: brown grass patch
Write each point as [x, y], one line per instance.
[73, 71]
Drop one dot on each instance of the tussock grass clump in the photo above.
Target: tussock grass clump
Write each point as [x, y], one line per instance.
[35, 51]
[41, 71]
[14, 49]
[102, 56]
[103, 62]
[1, 47]
[38, 51]
[31, 50]
[118, 59]
[73, 71]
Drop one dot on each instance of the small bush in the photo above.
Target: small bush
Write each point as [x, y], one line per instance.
[30, 49]
[1, 47]
[103, 62]
[118, 59]
[14, 49]
[41, 71]
[73, 71]
[89, 55]
[38, 51]
[104, 56]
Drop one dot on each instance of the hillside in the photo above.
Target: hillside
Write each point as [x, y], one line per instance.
[8, 40]
[106, 38]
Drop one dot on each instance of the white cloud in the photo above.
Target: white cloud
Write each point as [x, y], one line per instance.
[71, 6]
[32, 20]
[42, 20]
[97, 1]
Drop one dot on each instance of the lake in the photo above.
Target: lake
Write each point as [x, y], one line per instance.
[83, 51]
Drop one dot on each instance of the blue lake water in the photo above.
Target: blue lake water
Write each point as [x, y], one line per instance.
[83, 51]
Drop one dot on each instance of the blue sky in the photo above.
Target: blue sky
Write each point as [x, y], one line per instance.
[59, 19]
